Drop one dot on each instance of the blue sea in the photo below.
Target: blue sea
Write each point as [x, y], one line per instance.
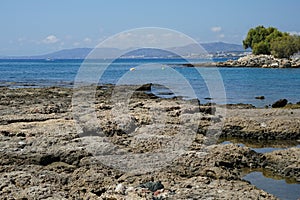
[241, 85]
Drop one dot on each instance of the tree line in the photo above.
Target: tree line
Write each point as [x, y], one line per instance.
[271, 41]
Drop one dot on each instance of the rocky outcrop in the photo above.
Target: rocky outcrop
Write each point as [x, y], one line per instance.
[280, 103]
[43, 156]
[285, 163]
[262, 124]
[264, 61]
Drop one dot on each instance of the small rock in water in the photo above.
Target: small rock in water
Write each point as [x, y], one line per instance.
[260, 97]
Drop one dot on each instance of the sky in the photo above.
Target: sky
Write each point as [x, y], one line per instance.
[35, 27]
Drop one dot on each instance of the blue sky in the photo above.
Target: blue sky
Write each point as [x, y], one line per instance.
[32, 27]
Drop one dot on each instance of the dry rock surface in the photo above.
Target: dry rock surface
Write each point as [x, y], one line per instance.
[48, 151]
[264, 61]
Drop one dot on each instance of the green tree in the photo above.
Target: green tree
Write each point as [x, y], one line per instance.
[259, 38]
[261, 48]
[259, 34]
[286, 46]
[271, 41]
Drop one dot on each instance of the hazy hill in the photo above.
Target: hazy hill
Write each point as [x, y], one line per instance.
[81, 53]
[222, 47]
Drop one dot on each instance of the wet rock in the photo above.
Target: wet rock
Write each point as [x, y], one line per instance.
[280, 103]
[285, 163]
[146, 87]
[260, 97]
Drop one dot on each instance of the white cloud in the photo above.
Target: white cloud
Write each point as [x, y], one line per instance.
[87, 40]
[51, 39]
[216, 29]
[76, 44]
[221, 36]
[21, 39]
[294, 33]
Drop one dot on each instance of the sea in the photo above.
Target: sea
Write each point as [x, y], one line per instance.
[240, 85]
[237, 85]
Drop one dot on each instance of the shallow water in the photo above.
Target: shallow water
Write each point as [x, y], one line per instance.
[283, 188]
[261, 146]
[242, 85]
[287, 189]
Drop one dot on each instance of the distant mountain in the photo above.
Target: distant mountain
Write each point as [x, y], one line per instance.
[81, 53]
[222, 47]
[213, 48]
[149, 53]
[77, 53]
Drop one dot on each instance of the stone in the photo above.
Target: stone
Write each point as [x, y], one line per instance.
[275, 64]
[280, 103]
[145, 87]
[264, 61]
[152, 186]
[260, 97]
[120, 188]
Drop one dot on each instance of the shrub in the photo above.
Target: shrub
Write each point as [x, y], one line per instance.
[271, 41]
[261, 48]
[285, 47]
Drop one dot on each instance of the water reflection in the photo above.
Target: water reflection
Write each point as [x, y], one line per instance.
[283, 188]
[259, 146]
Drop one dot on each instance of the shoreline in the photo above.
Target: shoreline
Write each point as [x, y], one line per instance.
[161, 95]
[39, 142]
[252, 61]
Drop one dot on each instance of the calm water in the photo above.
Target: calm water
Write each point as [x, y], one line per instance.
[241, 84]
[287, 189]
[278, 186]
[261, 146]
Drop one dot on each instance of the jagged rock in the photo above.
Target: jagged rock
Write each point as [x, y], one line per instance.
[264, 61]
[152, 186]
[284, 162]
[280, 103]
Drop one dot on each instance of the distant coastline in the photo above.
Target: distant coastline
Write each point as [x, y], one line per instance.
[214, 49]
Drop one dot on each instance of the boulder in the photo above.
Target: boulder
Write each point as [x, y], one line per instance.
[280, 103]
[152, 186]
[145, 87]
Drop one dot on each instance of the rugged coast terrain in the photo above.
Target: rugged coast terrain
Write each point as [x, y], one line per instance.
[44, 155]
[259, 61]
[264, 61]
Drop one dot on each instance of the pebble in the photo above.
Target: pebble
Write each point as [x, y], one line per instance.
[120, 189]
[22, 144]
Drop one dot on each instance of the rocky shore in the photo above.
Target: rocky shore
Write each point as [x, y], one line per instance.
[258, 61]
[264, 61]
[44, 155]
